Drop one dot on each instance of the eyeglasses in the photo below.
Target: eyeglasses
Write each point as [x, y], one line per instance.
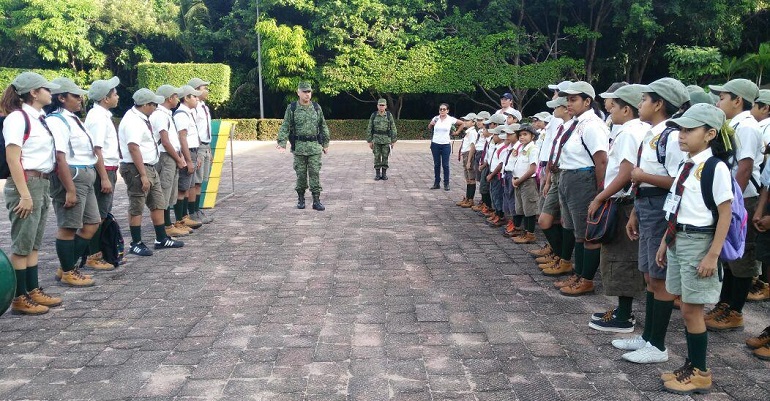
[307, 91]
[442, 109]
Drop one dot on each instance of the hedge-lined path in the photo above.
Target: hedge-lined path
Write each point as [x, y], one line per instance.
[392, 293]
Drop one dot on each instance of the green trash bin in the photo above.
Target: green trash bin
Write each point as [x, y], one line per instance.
[7, 282]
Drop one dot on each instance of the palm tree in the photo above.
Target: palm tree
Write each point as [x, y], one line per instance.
[731, 66]
[759, 61]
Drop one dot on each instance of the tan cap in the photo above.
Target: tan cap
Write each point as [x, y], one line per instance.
[577, 88]
[144, 96]
[101, 88]
[670, 89]
[28, 81]
[740, 87]
[197, 83]
[699, 115]
[187, 90]
[67, 85]
[167, 91]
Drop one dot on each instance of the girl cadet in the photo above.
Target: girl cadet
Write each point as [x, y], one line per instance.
[474, 156]
[620, 276]
[72, 187]
[442, 126]
[524, 182]
[583, 163]
[509, 196]
[466, 154]
[657, 161]
[694, 237]
[29, 149]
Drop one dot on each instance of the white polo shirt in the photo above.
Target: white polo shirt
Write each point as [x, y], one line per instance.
[72, 139]
[184, 117]
[37, 152]
[693, 210]
[509, 158]
[764, 128]
[162, 120]
[649, 160]
[203, 122]
[442, 129]
[556, 139]
[748, 138]
[591, 131]
[498, 156]
[99, 124]
[480, 141]
[491, 148]
[526, 157]
[135, 128]
[469, 139]
[625, 147]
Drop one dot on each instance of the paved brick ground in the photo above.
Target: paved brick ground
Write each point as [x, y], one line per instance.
[393, 293]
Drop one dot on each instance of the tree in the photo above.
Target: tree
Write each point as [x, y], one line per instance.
[694, 64]
[759, 61]
[286, 56]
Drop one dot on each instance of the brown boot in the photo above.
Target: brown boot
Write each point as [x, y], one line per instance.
[23, 305]
[527, 238]
[41, 298]
[189, 222]
[730, 320]
[579, 287]
[690, 381]
[477, 207]
[761, 340]
[173, 231]
[668, 376]
[60, 272]
[716, 311]
[564, 267]
[74, 278]
[546, 259]
[545, 250]
[468, 203]
[182, 226]
[763, 353]
[97, 264]
[461, 202]
[498, 222]
[759, 292]
[566, 282]
[550, 264]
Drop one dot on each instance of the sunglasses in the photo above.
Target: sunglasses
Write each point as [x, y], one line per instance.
[307, 91]
[442, 109]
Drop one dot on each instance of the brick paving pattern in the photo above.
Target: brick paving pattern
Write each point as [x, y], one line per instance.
[392, 293]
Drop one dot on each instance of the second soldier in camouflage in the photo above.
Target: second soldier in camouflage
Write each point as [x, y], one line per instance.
[381, 135]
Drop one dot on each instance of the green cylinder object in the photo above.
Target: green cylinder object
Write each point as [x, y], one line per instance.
[7, 282]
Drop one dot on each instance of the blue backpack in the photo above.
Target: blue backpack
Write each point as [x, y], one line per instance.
[735, 242]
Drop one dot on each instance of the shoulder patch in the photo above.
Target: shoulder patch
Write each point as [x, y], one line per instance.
[699, 171]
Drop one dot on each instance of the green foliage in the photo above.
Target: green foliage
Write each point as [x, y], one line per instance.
[759, 61]
[693, 64]
[81, 78]
[286, 55]
[153, 75]
[341, 130]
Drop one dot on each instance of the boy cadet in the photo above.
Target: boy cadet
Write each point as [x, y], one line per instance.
[736, 99]
[203, 122]
[99, 124]
[139, 154]
[304, 124]
[171, 160]
[381, 135]
[184, 119]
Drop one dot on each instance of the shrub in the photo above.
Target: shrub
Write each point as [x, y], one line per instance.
[341, 130]
[81, 78]
[153, 75]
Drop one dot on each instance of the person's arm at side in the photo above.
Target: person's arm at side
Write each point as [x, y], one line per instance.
[63, 172]
[326, 135]
[283, 131]
[136, 157]
[102, 171]
[13, 155]
[394, 137]
[623, 178]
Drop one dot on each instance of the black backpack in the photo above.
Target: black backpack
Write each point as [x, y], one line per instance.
[5, 172]
[293, 125]
[111, 242]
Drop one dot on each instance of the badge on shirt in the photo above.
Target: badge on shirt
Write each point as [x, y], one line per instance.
[699, 171]
[654, 142]
[672, 203]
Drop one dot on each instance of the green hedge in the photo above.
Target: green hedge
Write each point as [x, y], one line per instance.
[81, 78]
[341, 130]
[153, 75]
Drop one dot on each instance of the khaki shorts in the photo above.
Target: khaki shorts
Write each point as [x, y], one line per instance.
[682, 272]
[186, 179]
[469, 174]
[526, 198]
[577, 188]
[551, 202]
[136, 197]
[86, 209]
[618, 264]
[104, 201]
[27, 233]
[202, 173]
[168, 174]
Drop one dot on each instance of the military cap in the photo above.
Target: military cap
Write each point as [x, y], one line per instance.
[28, 81]
[740, 87]
[67, 85]
[101, 88]
[382, 101]
[304, 86]
[699, 115]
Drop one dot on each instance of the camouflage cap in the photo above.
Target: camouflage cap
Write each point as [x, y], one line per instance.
[740, 87]
[304, 86]
[382, 101]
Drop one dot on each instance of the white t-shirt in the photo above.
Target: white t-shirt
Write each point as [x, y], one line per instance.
[509, 158]
[184, 117]
[481, 140]
[628, 137]
[693, 210]
[37, 152]
[592, 132]
[748, 138]
[72, 139]
[554, 143]
[203, 122]
[649, 160]
[469, 139]
[135, 128]
[162, 120]
[99, 124]
[442, 129]
[527, 156]
[764, 128]
[498, 156]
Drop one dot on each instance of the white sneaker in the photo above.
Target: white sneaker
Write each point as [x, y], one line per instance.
[629, 344]
[648, 354]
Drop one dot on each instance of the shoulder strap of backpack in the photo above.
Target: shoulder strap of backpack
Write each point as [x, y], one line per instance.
[64, 120]
[586, 148]
[320, 114]
[707, 184]
[660, 150]
[371, 121]
[27, 126]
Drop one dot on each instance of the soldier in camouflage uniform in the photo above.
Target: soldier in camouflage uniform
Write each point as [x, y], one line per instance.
[304, 125]
[381, 135]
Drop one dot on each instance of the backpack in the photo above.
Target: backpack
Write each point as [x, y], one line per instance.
[293, 125]
[390, 122]
[735, 242]
[111, 242]
[5, 171]
[660, 145]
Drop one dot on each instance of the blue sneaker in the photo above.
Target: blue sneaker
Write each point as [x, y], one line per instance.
[140, 249]
[169, 243]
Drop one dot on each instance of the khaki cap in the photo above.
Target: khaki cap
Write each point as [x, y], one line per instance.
[28, 81]
[577, 88]
[67, 85]
[740, 87]
[699, 115]
[197, 83]
[763, 97]
[144, 96]
[187, 90]
[483, 115]
[560, 87]
[167, 91]
[670, 89]
[498, 119]
[469, 117]
[101, 88]
[631, 94]
[559, 101]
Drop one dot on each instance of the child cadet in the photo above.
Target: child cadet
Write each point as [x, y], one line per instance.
[524, 184]
[139, 154]
[184, 119]
[509, 196]
[481, 145]
[29, 150]
[492, 122]
[760, 290]
[72, 187]
[99, 124]
[495, 167]
[203, 123]
[467, 149]
[736, 99]
[381, 135]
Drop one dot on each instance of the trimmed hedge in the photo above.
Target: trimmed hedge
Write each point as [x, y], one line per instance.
[153, 75]
[81, 78]
[341, 130]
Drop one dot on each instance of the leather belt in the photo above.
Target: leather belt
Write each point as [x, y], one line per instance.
[36, 174]
[649, 192]
[695, 229]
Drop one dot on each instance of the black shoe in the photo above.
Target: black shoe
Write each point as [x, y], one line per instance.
[168, 243]
[300, 201]
[435, 186]
[140, 249]
[610, 313]
[612, 324]
[384, 176]
[446, 187]
[377, 175]
[317, 205]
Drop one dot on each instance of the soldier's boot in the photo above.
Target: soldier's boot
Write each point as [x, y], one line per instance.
[300, 200]
[317, 205]
[384, 176]
[377, 175]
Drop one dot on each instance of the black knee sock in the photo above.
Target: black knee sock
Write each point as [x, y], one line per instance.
[472, 191]
[94, 245]
[81, 246]
[136, 233]
[662, 316]
[591, 258]
[65, 250]
[698, 345]
[529, 224]
[179, 209]
[468, 194]
[689, 343]
[623, 312]
[649, 315]
[21, 282]
[190, 207]
[517, 219]
[487, 199]
[185, 206]
[550, 236]
[500, 214]
[567, 243]
[197, 202]
[32, 279]
[579, 258]
[741, 288]
[167, 217]
[160, 232]
[727, 286]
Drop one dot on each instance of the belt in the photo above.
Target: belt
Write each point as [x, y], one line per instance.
[36, 174]
[307, 138]
[81, 166]
[582, 169]
[146, 164]
[649, 192]
[193, 149]
[111, 168]
[624, 200]
[695, 229]
[205, 143]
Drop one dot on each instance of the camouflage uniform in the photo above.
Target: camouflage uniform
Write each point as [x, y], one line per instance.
[378, 135]
[307, 153]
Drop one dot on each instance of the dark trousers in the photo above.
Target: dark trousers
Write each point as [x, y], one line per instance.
[441, 155]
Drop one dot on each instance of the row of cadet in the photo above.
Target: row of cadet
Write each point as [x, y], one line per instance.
[644, 161]
[54, 158]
